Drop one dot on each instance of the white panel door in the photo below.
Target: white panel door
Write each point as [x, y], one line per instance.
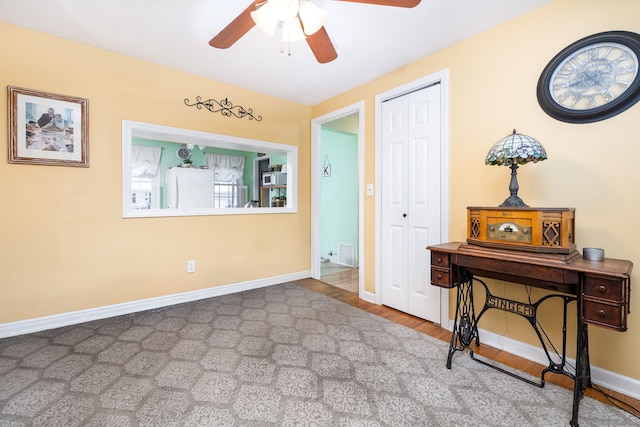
[394, 237]
[410, 199]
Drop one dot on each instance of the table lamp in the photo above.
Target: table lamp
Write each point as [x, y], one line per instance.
[513, 150]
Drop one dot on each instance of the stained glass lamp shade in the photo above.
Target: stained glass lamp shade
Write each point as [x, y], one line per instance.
[513, 150]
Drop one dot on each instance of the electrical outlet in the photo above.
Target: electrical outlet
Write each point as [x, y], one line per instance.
[191, 266]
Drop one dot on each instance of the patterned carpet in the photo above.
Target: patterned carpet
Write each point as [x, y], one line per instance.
[281, 356]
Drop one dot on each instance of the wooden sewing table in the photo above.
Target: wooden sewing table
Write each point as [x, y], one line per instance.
[600, 288]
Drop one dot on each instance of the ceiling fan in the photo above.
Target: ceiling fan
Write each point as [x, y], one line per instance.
[309, 23]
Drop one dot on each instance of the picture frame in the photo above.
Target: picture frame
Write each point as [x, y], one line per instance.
[47, 128]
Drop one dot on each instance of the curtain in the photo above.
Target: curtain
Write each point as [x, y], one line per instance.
[226, 168]
[145, 161]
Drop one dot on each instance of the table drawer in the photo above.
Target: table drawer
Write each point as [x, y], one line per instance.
[603, 288]
[441, 277]
[611, 316]
[440, 259]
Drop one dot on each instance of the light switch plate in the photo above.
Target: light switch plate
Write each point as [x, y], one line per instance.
[369, 189]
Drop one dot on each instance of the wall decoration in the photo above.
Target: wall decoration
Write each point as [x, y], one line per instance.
[326, 167]
[224, 107]
[593, 79]
[48, 129]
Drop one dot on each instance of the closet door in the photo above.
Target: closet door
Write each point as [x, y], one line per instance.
[410, 200]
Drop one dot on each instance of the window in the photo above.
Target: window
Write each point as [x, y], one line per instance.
[149, 152]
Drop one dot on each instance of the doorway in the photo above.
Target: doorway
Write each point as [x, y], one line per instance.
[412, 195]
[260, 166]
[336, 198]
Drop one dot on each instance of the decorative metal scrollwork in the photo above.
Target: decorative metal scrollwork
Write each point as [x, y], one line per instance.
[224, 107]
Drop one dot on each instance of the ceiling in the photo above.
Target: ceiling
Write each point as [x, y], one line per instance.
[370, 40]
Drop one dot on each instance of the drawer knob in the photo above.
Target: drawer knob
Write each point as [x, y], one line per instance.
[439, 260]
[601, 313]
[602, 288]
[439, 276]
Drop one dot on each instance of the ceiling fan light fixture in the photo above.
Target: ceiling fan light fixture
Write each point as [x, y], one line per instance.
[265, 19]
[312, 17]
[285, 10]
[292, 31]
[271, 14]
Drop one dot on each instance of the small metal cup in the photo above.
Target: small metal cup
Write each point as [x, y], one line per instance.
[593, 254]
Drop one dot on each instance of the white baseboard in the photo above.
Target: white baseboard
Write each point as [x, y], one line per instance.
[368, 296]
[72, 318]
[611, 380]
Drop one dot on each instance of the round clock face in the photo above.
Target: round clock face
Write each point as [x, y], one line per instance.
[183, 153]
[593, 79]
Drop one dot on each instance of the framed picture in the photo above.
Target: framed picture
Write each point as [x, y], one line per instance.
[48, 129]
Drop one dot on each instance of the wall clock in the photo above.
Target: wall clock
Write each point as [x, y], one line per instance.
[593, 79]
[183, 153]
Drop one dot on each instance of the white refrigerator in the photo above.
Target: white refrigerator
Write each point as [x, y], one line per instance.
[189, 188]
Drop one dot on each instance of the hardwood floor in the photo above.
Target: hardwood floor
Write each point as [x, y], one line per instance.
[340, 276]
[340, 292]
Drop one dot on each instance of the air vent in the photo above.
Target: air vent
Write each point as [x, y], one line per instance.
[346, 254]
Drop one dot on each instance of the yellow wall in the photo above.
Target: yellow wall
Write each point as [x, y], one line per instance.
[65, 246]
[591, 167]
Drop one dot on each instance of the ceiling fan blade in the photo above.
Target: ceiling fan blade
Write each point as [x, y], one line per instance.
[396, 3]
[321, 46]
[236, 28]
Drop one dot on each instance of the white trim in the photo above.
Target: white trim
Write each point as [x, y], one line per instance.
[75, 317]
[131, 129]
[611, 380]
[316, 146]
[369, 297]
[441, 77]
